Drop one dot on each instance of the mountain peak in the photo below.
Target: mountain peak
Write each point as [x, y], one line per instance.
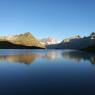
[26, 39]
[92, 35]
[49, 40]
[27, 34]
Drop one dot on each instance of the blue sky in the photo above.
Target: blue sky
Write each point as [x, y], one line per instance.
[47, 18]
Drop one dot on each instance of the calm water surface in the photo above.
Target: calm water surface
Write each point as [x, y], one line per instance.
[47, 72]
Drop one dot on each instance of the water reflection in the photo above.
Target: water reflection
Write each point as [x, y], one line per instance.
[46, 79]
[30, 57]
[78, 56]
[26, 59]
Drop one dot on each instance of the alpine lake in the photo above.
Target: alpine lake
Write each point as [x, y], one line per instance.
[46, 72]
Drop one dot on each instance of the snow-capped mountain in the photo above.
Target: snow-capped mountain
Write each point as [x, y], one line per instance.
[49, 41]
[77, 43]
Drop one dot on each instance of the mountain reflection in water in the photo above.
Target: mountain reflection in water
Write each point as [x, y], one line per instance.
[47, 72]
[29, 58]
[78, 56]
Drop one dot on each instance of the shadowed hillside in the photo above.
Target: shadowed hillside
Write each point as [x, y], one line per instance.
[22, 41]
[76, 43]
[89, 49]
[9, 45]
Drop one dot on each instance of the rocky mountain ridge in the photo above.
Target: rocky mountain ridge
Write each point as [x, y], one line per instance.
[27, 40]
[49, 41]
[77, 43]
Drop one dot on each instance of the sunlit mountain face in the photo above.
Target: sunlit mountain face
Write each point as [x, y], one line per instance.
[26, 39]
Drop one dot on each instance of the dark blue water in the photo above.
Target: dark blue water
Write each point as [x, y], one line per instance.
[47, 72]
